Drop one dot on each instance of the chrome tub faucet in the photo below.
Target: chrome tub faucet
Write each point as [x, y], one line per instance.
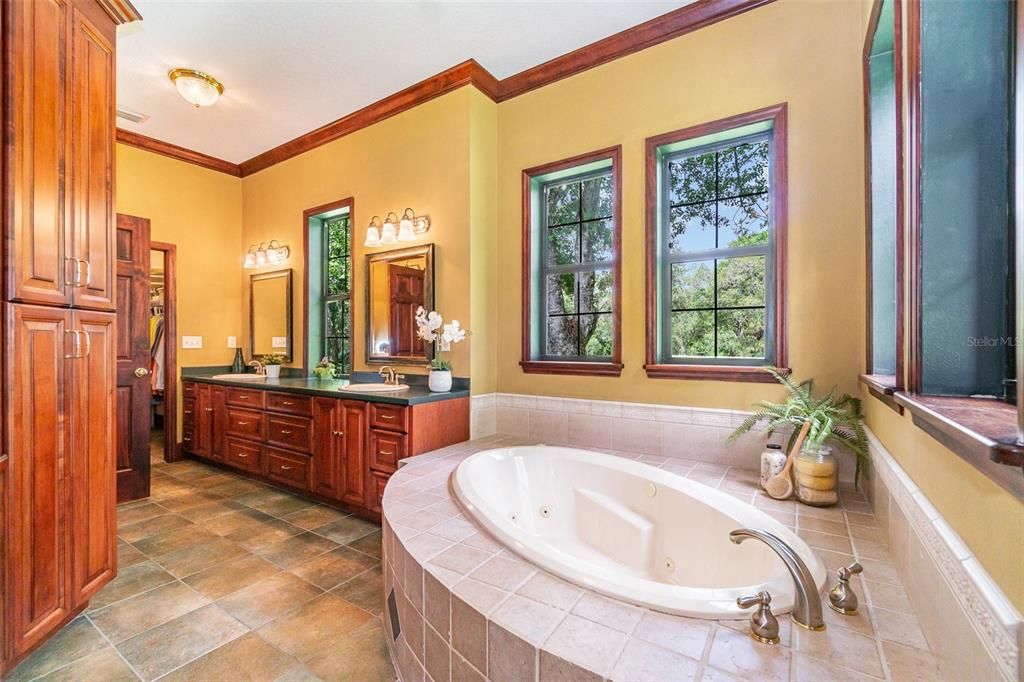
[807, 605]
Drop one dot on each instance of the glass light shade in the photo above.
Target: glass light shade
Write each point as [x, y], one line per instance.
[405, 233]
[261, 257]
[196, 87]
[272, 257]
[250, 260]
[387, 235]
[372, 236]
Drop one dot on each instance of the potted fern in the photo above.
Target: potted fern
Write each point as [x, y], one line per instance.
[832, 418]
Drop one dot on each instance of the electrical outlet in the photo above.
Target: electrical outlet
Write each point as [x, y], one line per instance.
[232, 342]
[191, 342]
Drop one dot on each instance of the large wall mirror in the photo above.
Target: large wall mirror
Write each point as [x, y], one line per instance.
[397, 283]
[270, 314]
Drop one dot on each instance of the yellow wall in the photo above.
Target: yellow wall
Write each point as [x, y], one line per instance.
[483, 217]
[418, 159]
[200, 211]
[803, 53]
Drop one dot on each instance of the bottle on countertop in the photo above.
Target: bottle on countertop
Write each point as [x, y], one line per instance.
[772, 461]
[238, 366]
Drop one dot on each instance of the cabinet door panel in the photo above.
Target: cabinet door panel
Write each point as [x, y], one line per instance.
[37, 444]
[92, 471]
[91, 164]
[36, 268]
[328, 472]
[354, 427]
[218, 422]
[204, 421]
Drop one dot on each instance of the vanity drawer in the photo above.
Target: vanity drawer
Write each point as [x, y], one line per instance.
[377, 483]
[386, 448]
[290, 432]
[244, 397]
[288, 467]
[242, 454]
[292, 404]
[188, 411]
[188, 389]
[391, 417]
[245, 423]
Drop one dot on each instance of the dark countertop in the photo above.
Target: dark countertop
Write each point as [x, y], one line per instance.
[414, 395]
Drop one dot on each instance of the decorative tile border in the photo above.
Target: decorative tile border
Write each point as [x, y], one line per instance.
[992, 617]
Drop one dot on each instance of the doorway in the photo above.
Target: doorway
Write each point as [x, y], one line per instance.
[163, 437]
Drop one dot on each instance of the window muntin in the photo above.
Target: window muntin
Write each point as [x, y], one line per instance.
[336, 302]
[576, 248]
[717, 253]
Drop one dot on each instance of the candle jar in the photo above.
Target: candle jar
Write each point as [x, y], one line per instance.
[816, 476]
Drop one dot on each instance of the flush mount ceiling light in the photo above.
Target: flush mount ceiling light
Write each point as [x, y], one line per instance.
[199, 89]
[395, 230]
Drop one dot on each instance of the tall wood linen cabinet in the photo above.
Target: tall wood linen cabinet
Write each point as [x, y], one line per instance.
[60, 344]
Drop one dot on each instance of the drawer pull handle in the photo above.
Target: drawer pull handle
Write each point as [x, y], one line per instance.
[242, 396]
[242, 456]
[208, 409]
[286, 432]
[188, 411]
[187, 439]
[287, 402]
[339, 433]
[387, 416]
[243, 423]
[285, 467]
[387, 452]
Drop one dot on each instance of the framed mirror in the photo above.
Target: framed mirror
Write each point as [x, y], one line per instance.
[397, 283]
[270, 314]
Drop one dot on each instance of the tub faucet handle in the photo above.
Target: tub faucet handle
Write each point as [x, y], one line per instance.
[764, 626]
[842, 598]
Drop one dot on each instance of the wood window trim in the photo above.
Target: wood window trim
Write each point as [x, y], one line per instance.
[882, 386]
[350, 203]
[777, 114]
[613, 367]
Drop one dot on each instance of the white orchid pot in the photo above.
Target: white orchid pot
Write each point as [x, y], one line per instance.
[440, 381]
[273, 371]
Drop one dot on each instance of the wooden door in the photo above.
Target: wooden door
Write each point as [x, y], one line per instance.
[328, 448]
[37, 441]
[134, 386]
[93, 481]
[353, 427]
[36, 147]
[405, 295]
[91, 162]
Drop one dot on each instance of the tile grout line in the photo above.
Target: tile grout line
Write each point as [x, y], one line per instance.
[114, 647]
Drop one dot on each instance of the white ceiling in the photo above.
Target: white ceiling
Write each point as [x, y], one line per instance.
[290, 67]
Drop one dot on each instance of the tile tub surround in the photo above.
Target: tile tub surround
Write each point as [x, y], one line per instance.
[665, 430]
[469, 608]
[975, 629]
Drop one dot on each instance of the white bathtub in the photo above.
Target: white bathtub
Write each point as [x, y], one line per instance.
[628, 530]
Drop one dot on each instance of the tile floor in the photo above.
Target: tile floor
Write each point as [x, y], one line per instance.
[223, 578]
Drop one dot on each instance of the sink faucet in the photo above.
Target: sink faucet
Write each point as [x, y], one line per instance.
[807, 605]
[390, 377]
[260, 369]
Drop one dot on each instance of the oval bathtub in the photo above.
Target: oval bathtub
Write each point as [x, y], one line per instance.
[628, 530]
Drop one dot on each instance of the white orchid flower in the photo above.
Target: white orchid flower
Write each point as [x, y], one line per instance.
[453, 333]
[427, 324]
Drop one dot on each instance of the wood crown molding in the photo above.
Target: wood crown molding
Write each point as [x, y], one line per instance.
[175, 152]
[121, 11]
[671, 25]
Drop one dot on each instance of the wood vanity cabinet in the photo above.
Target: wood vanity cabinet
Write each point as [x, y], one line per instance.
[338, 450]
[58, 465]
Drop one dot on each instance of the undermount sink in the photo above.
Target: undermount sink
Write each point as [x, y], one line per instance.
[241, 377]
[374, 388]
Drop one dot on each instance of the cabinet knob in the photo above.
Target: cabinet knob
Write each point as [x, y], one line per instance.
[339, 433]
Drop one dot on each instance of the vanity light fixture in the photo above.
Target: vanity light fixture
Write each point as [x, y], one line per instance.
[265, 254]
[408, 227]
[199, 89]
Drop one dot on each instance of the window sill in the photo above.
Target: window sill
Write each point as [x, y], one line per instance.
[597, 369]
[713, 373]
[983, 431]
[883, 386]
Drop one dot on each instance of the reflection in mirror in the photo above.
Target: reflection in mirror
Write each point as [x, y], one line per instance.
[398, 282]
[270, 314]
